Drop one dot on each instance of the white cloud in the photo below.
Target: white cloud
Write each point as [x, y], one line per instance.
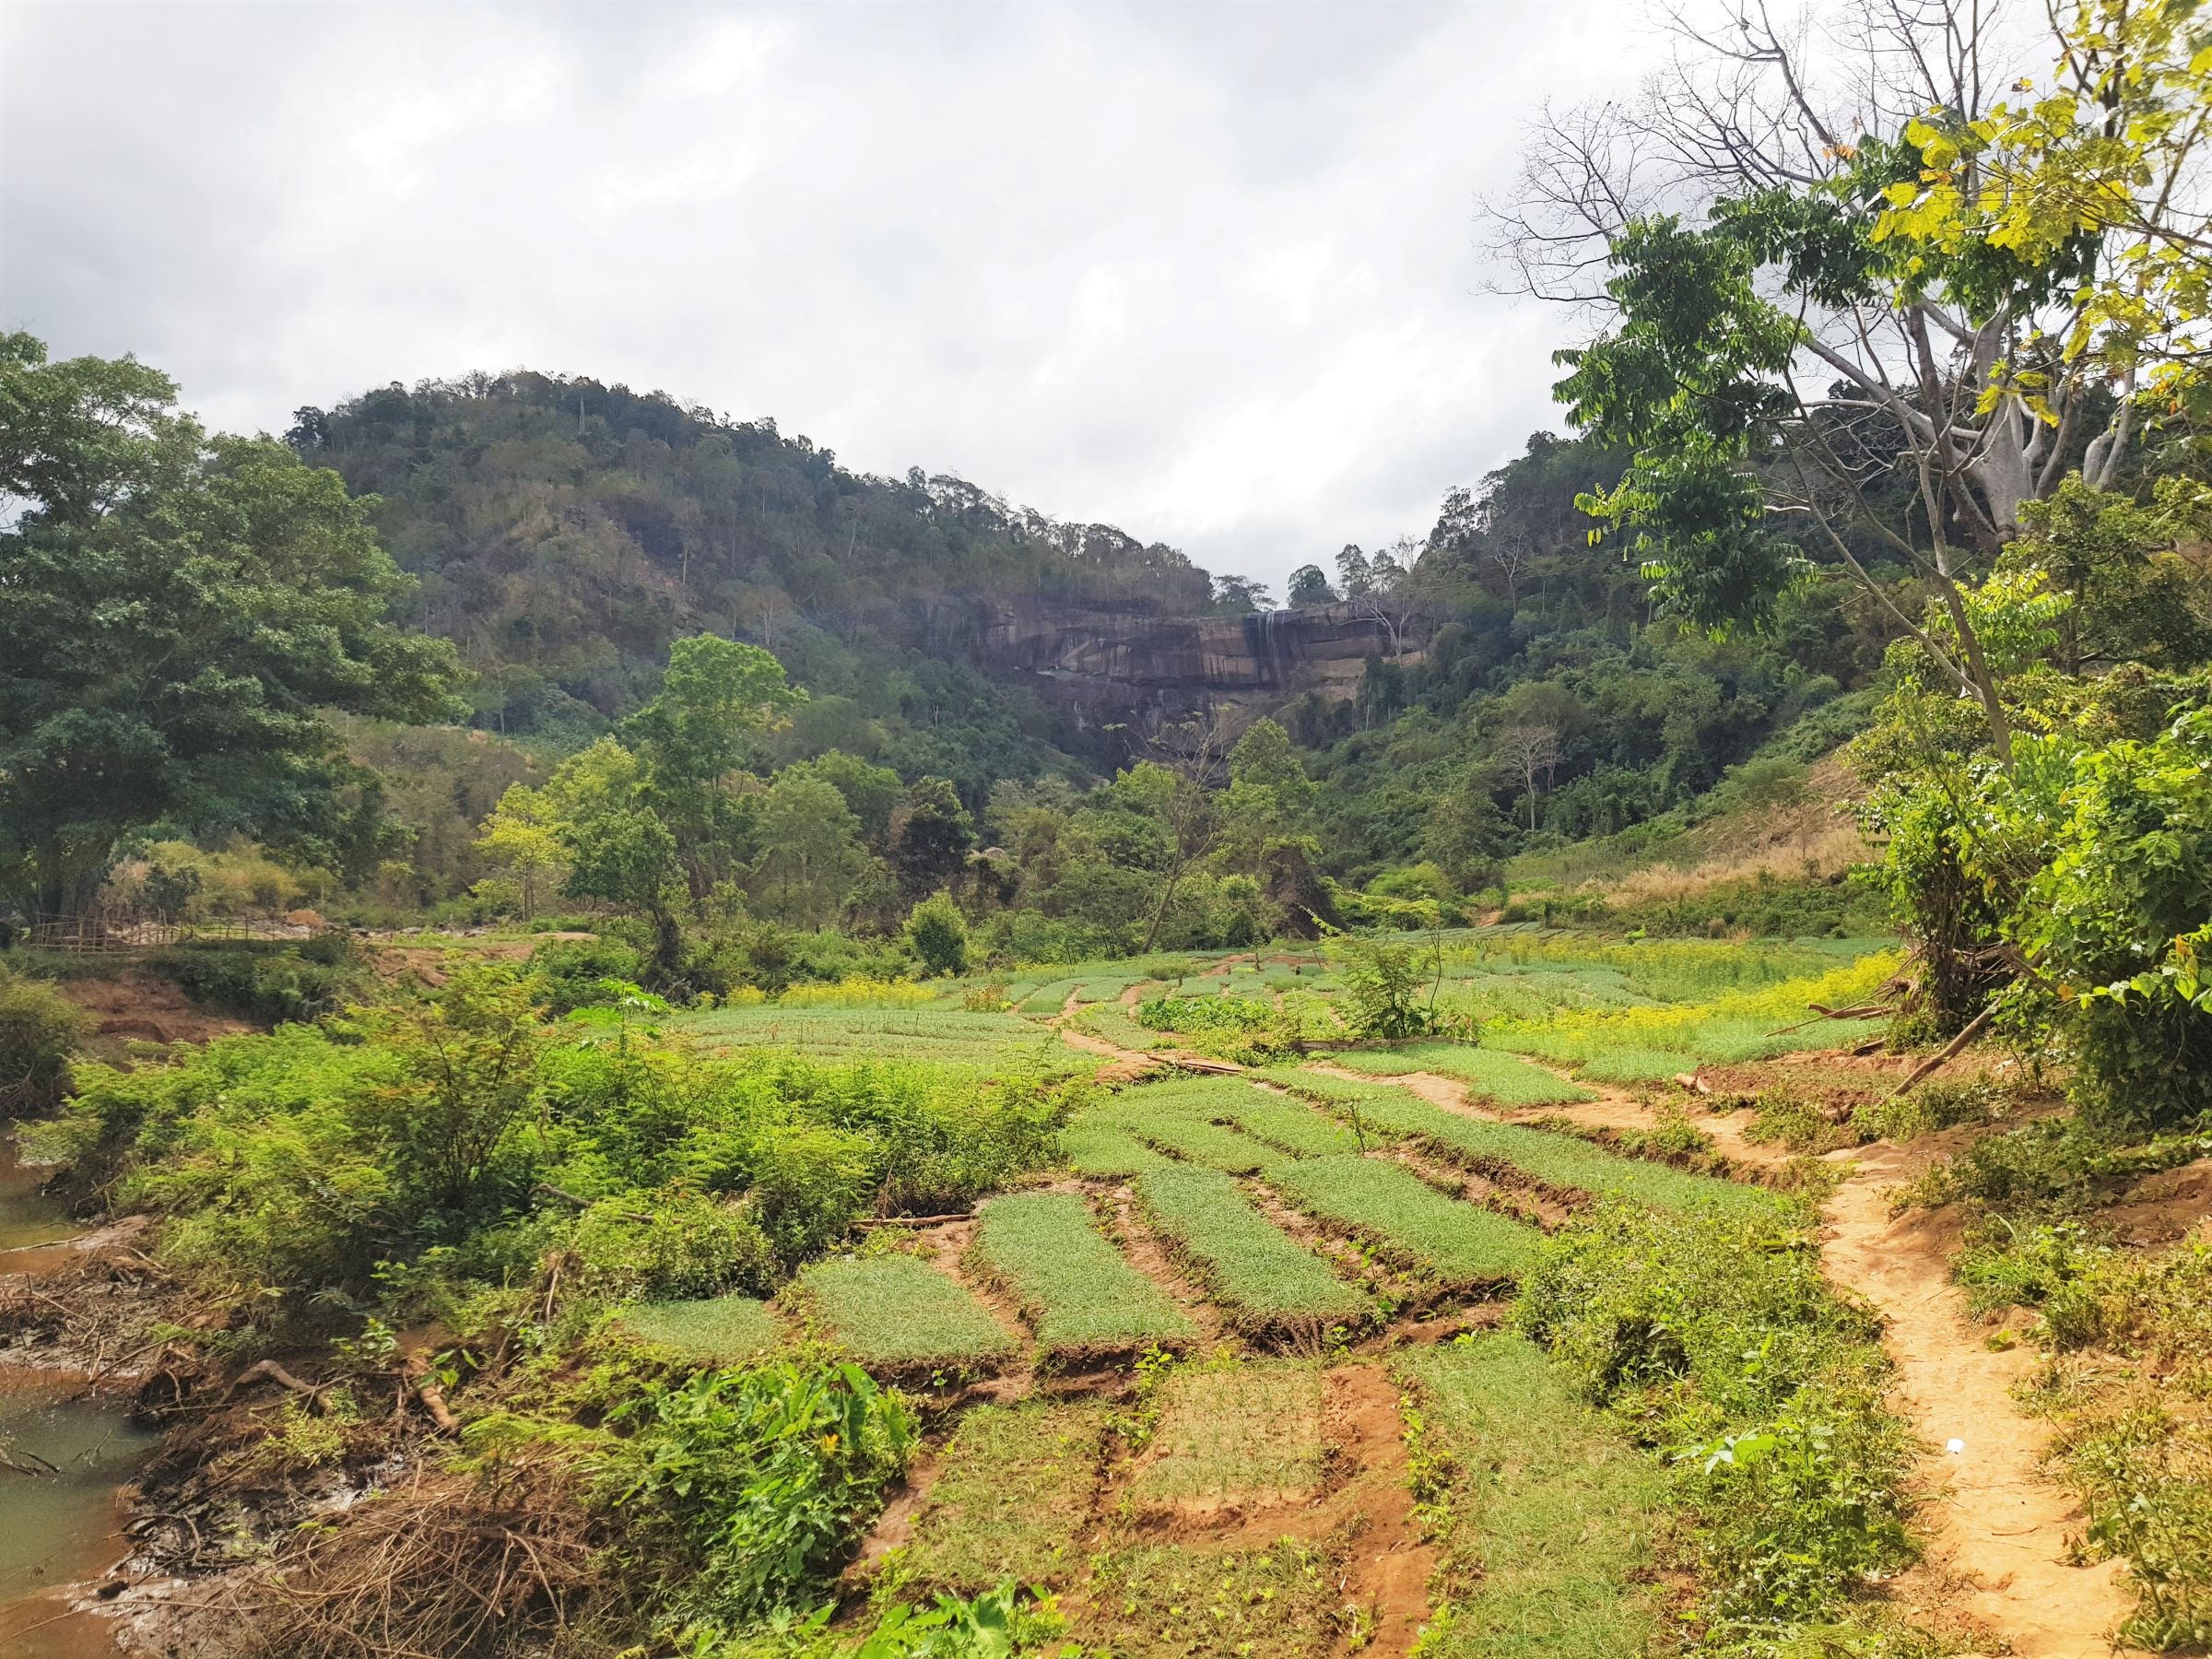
[1205, 271]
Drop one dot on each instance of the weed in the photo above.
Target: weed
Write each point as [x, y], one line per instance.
[1011, 1498]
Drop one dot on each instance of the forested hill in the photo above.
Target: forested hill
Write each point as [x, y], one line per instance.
[565, 531]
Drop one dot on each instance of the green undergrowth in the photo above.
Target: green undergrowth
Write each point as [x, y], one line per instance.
[896, 1314]
[1463, 1246]
[1000, 1043]
[1715, 1341]
[1547, 1519]
[1081, 1297]
[1264, 1278]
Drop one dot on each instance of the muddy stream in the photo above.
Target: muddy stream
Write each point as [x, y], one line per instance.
[65, 1459]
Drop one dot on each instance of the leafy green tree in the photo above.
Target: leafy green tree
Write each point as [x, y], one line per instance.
[931, 834]
[181, 612]
[625, 854]
[871, 791]
[523, 837]
[939, 934]
[1310, 586]
[810, 854]
[468, 1065]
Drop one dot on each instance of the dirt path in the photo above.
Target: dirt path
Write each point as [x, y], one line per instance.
[1996, 1524]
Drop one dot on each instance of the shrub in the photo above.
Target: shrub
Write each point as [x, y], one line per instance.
[939, 934]
[752, 1484]
[260, 980]
[573, 971]
[669, 1245]
[39, 1028]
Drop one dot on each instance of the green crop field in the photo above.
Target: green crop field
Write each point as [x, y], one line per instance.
[1463, 1246]
[1556, 1159]
[1265, 1279]
[1081, 1296]
[1557, 1514]
[722, 1330]
[1291, 1124]
[1559, 1160]
[896, 1313]
[942, 1036]
[1233, 1432]
[1504, 1079]
[1012, 1499]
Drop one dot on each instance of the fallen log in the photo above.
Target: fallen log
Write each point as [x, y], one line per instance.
[550, 1191]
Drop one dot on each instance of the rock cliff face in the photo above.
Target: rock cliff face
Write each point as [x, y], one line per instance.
[1110, 661]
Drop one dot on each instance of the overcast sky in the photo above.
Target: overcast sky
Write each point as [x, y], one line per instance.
[1207, 272]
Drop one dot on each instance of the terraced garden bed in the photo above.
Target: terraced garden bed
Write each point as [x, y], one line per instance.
[1394, 1210]
[1559, 1161]
[1080, 1297]
[722, 1330]
[1013, 1497]
[1503, 1079]
[894, 1313]
[1261, 1276]
[1238, 1435]
[1550, 1518]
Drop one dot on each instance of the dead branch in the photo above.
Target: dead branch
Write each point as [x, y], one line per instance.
[1975, 1027]
[275, 1373]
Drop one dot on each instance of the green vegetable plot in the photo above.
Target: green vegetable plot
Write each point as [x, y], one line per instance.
[896, 1311]
[1072, 1285]
[1403, 1215]
[1247, 1264]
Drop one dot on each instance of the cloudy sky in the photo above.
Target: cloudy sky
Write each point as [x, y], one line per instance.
[1207, 272]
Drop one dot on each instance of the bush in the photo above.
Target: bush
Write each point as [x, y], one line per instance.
[671, 1245]
[939, 934]
[39, 1028]
[573, 971]
[265, 980]
[751, 1484]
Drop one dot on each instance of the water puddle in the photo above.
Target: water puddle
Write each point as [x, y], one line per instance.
[28, 1217]
[64, 1459]
[60, 1511]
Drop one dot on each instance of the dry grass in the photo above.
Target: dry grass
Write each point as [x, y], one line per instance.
[459, 1567]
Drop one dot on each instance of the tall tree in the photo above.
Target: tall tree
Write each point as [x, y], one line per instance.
[177, 615]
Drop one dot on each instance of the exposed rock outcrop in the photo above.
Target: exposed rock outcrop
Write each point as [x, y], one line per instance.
[1122, 659]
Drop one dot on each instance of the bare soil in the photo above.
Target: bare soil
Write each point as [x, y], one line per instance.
[138, 1006]
[2000, 1533]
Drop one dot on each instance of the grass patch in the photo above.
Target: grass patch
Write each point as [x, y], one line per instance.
[1012, 1500]
[1399, 1212]
[1073, 1286]
[721, 1330]
[1547, 1517]
[896, 1313]
[1500, 1078]
[1233, 1432]
[1249, 1264]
